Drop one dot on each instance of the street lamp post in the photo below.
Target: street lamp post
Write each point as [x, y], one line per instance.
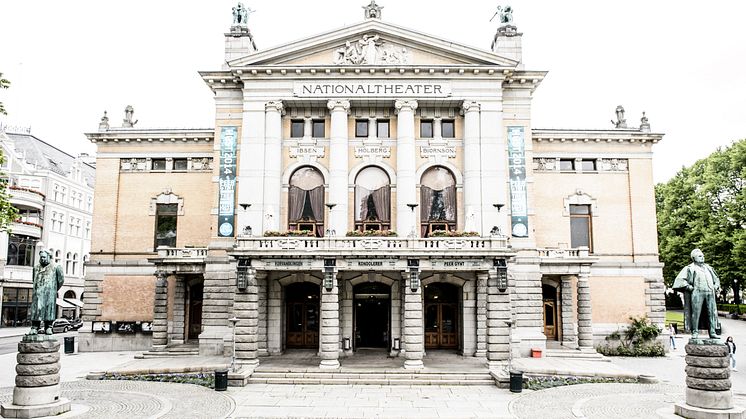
[233, 321]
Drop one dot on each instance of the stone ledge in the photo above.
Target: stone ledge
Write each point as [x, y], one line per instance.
[692, 412]
[52, 409]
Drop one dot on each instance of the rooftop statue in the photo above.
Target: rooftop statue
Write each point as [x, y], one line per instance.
[620, 121]
[47, 280]
[372, 11]
[505, 14]
[644, 123]
[104, 124]
[241, 14]
[700, 284]
[129, 111]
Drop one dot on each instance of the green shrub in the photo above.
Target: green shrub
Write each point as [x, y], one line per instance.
[450, 233]
[371, 233]
[732, 308]
[199, 378]
[638, 339]
[544, 382]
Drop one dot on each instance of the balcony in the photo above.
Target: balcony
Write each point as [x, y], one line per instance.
[559, 261]
[362, 247]
[183, 255]
[28, 198]
[17, 273]
[26, 228]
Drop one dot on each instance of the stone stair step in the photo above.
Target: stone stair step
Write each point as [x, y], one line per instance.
[369, 381]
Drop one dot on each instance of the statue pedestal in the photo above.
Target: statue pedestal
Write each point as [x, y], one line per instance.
[708, 393]
[37, 391]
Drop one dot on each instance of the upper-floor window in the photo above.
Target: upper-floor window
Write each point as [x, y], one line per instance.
[361, 128]
[588, 165]
[448, 128]
[426, 128]
[580, 226]
[57, 256]
[318, 128]
[87, 230]
[68, 263]
[372, 199]
[296, 128]
[383, 129]
[165, 224]
[158, 164]
[89, 204]
[180, 164]
[437, 200]
[21, 250]
[306, 201]
[75, 264]
[567, 165]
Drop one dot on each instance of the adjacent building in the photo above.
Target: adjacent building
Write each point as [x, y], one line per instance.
[53, 192]
[371, 187]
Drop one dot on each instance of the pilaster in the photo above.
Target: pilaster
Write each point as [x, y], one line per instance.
[498, 329]
[569, 334]
[329, 331]
[413, 326]
[273, 111]
[472, 168]
[406, 192]
[585, 325]
[338, 165]
[481, 332]
[246, 309]
[261, 281]
[160, 312]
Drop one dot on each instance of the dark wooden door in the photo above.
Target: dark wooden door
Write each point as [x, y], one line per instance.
[303, 324]
[194, 328]
[550, 320]
[441, 325]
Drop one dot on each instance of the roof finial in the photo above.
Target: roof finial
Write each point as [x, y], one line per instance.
[104, 124]
[644, 123]
[128, 122]
[372, 11]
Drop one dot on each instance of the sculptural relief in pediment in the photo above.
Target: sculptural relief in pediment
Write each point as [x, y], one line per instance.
[370, 50]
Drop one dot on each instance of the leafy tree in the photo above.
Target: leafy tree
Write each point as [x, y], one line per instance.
[704, 206]
[4, 84]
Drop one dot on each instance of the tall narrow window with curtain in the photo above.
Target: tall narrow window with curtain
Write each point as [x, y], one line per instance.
[306, 201]
[437, 201]
[372, 200]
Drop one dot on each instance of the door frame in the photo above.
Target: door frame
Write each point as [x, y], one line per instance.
[363, 296]
[312, 289]
[457, 303]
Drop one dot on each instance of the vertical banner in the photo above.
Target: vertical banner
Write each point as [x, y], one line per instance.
[518, 195]
[227, 182]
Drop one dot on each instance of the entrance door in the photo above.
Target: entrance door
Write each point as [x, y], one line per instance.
[302, 301]
[441, 316]
[194, 327]
[372, 309]
[549, 297]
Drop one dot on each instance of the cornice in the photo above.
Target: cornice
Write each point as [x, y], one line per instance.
[152, 135]
[597, 136]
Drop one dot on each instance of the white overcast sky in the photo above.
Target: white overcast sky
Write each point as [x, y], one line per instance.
[680, 61]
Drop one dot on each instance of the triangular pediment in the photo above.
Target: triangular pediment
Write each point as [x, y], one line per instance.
[372, 42]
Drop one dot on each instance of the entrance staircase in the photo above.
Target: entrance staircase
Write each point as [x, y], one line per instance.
[183, 350]
[555, 350]
[371, 377]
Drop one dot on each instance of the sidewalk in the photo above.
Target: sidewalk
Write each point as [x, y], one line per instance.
[6, 332]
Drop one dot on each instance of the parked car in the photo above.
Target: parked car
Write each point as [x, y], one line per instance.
[62, 326]
[76, 324]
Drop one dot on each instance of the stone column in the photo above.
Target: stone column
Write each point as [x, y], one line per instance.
[481, 314]
[329, 337]
[472, 168]
[413, 326]
[246, 309]
[179, 321]
[406, 192]
[585, 322]
[261, 283]
[498, 331]
[338, 165]
[274, 317]
[272, 163]
[160, 312]
[569, 336]
[372, 131]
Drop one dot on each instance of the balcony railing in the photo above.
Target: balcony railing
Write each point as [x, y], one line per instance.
[556, 253]
[370, 246]
[25, 229]
[26, 197]
[186, 254]
[17, 273]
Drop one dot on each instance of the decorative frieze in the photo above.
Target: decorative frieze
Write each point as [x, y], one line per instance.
[552, 164]
[166, 164]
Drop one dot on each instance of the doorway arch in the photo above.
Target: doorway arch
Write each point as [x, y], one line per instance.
[372, 315]
[302, 315]
[442, 308]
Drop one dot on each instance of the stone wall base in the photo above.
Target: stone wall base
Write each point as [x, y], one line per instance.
[113, 342]
[51, 409]
[691, 412]
[212, 341]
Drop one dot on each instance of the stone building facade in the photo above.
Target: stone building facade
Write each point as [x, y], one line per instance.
[371, 187]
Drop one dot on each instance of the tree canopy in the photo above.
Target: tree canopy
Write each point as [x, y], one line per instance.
[704, 206]
[4, 84]
[8, 213]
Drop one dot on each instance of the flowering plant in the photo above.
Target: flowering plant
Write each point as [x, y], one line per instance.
[452, 233]
[371, 233]
[289, 233]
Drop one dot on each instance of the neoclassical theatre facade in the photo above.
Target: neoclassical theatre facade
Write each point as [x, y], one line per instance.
[371, 187]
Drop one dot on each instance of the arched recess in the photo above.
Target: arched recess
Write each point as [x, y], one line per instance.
[448, 279]
[372, 199]
[362, 165]
[377, 278]
[448, 165]
[69, 294]
[300, 277]
[438, 200]
[306, 197]
[297, 165]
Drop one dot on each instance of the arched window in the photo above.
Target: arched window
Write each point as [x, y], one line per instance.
[20, 250]
[372, 199]
[437, 200]
[75, 264]
[68, 262]
[306, 201]
[57, 256]
[69, 294]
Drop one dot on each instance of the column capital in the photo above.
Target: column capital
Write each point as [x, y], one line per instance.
[470, 106]
[274, 106]
[161, 278]
[337, 105]
[405, 104]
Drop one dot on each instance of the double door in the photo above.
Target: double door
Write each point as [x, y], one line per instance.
[303, 324]
[441, 325]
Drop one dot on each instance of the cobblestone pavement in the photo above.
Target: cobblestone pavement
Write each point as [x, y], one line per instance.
[139, 399]
[602, 401]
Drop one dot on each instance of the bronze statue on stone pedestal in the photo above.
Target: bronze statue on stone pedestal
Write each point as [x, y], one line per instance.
[48, 279]
[700, 285]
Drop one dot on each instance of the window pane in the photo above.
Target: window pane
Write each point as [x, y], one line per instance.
[580, 209]
[426, 129]
[180, 164]
[159, 164]
[165, 225]
[580, 232]
[448, 129]
[361, 128]
[318, 129]
[588, 165]
[296, 128]
[567, 164]
[383, 129]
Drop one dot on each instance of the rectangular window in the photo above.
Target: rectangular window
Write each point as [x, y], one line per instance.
[165, 225]
[588, 165]
[382, 128]
[318, 128]
[296, 128]
[448, 128]
[426, 128]
[580, 226]
[20, 250]
[361, 128]
[158, 164]
[567, 165]
[180, 164]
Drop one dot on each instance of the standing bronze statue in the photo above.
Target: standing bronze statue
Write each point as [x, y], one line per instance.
[700, 284]
[48, 278]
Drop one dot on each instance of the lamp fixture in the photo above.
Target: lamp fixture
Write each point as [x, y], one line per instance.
[414, 274]
[330, 268]
[330, 206]
[245, 276]
[245, 206]
[412, 206]
[498, 206]
[501, 274]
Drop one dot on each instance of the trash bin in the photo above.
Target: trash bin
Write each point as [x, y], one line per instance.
[70, 344]
[221, 380]
[516, 381]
